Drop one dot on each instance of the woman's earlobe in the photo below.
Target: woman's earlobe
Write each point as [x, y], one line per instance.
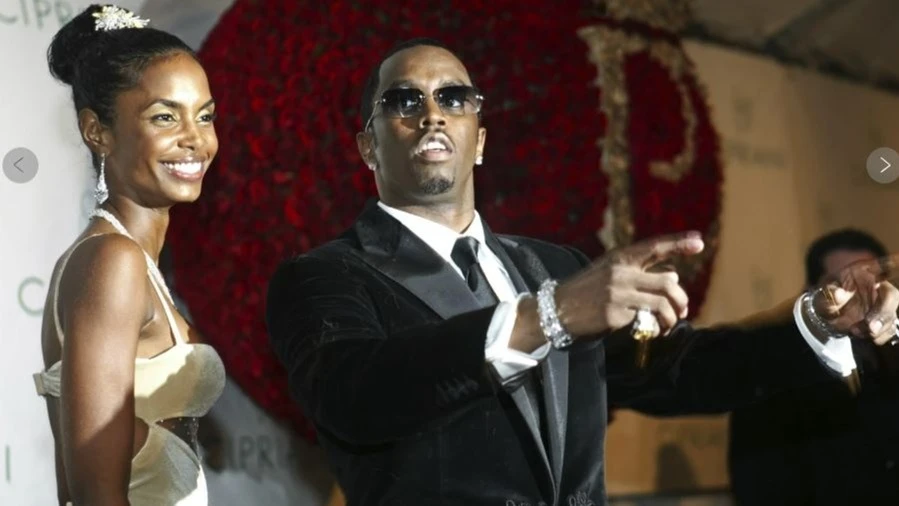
[92, 130]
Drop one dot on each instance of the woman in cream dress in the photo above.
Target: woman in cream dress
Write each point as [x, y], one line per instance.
[124, 380]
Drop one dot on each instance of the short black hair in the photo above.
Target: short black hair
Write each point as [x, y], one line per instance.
[374, 80]
[845, 239]
[100, 64]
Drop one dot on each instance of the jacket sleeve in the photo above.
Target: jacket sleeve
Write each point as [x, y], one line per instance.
[714, 370]
[357, 383]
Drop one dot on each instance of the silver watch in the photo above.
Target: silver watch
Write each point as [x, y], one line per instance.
[552, 328]
[820, 326]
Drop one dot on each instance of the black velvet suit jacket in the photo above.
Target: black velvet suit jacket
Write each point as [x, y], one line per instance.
[384, 347]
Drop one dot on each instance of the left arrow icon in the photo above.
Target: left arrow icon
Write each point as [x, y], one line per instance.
[20, 165]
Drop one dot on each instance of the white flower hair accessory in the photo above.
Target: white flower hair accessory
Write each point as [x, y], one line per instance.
[112, 17]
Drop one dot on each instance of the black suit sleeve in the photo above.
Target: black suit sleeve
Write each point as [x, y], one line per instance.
[715, 370]
[356, 384]
[708, 371]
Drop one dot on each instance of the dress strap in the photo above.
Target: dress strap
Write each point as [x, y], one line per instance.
[156, 278]
[169, 316]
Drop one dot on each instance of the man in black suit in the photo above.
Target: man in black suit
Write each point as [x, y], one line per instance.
[432, 372]
[821, 444]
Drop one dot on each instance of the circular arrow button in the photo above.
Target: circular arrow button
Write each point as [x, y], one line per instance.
[20, 165]
[883, 165]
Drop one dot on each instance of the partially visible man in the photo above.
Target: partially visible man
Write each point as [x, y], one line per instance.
[444, 364]
[822, 445]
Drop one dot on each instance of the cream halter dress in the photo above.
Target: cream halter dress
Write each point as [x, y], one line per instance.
[178, 385]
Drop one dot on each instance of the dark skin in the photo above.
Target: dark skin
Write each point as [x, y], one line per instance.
[602, 297]
[862, 302]
[857, 264]
[107, 307]
[614, 286]
[402, 176]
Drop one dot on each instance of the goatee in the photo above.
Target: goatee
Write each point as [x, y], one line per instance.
[437, 186]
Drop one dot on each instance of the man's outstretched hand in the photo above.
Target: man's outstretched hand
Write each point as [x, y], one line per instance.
[862, 301]
[606, 295]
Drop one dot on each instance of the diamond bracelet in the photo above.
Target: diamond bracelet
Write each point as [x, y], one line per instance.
[552, 328]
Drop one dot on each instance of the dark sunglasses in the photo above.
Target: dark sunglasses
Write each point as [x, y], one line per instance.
[454, 100]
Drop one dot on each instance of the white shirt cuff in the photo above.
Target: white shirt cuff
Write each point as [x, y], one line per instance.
[508, 363]
[834, 351]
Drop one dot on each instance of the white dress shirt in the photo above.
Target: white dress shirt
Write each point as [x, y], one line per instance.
[835, 351]
[507, 362]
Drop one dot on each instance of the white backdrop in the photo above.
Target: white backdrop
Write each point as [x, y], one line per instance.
[38, 219]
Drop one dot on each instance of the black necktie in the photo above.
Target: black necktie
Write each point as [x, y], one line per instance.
[465, 255]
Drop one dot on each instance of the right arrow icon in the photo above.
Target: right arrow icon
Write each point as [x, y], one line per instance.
[879, 163]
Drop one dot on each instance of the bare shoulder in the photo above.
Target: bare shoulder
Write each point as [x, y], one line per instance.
[108, 269]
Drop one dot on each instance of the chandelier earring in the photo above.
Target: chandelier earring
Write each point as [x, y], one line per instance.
[101, 192]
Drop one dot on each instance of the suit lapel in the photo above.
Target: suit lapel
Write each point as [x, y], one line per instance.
[529, 269]
[391, 249]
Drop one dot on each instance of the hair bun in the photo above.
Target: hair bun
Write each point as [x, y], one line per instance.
[70, 42]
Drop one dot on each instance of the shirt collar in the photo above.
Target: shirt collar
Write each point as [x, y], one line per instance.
[440, 238]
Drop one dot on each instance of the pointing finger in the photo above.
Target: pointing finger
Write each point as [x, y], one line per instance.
[661, 249]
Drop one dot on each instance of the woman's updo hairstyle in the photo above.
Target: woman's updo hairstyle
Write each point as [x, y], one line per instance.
[102, 52]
